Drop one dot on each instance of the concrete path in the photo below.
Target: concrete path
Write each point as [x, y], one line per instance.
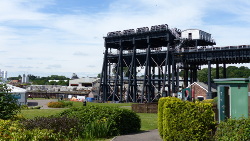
[151, 135]
[42, 102]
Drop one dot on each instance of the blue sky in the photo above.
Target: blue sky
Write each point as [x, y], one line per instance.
[61, 37]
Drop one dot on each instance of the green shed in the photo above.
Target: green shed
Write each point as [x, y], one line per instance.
[232, 97]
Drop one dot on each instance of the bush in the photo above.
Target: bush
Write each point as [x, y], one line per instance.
[160, 112]
[97, 129]
[184, 120]
[55, 105]
[9, 106]
[24, 107]
[233, 129]
[66, 126]
[120, 121]
[35, 107]
[60, 104]
[13, 131]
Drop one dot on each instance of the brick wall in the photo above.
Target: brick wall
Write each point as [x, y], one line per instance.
[145, 108]
[198, 91]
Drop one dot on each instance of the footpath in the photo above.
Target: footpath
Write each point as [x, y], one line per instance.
[151, 135]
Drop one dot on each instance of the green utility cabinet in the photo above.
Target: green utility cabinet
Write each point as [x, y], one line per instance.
[232, 97]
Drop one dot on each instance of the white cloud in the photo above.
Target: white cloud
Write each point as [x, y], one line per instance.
[74, 42]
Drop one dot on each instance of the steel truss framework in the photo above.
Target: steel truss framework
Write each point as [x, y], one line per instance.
[157, 53]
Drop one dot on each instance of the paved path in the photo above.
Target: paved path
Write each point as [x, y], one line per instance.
[151, 135]
[41, 102]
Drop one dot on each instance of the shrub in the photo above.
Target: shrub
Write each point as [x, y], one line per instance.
[122, 121]
[11, 130]
[63, 125]
[24, 107]
[160, 112]
[233, 129]
[97, 129]
[67, 103]
[60, 104]
[35, 107]
[184, 120]
[55, 105]
[9, 106]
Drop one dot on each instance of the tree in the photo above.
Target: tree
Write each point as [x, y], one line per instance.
[9, 106]
[232, 72]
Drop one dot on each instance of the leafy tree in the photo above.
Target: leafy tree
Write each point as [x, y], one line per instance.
[9, 106]
[231, 72]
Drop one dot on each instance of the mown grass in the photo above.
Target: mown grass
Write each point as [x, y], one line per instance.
[148, 120]
[32, 113]
[79, 104]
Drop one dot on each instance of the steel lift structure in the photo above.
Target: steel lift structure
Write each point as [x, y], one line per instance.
[143, 65]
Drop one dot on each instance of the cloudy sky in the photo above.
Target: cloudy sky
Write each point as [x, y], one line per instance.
[61, 37]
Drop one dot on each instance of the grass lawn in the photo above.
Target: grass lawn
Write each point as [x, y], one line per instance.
[31, 113]
[80, 104]
[148, 120]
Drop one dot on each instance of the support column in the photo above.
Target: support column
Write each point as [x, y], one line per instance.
[185, 75]
[132, 76]
[147, 75]
[103, 80]
[209, 93]
[169, 75]
[173, 75]
[177, 78]
[195, 73]
[217, 71]
[165, 73]
[224, 71]
[121, 74]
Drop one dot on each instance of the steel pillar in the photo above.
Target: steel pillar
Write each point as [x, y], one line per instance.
[217, 71]
[224, 71]
[209, 93]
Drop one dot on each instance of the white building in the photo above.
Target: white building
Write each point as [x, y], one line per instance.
[18, 93]
[25, 79]
[84, 81]
[3, 75]
[196, 34]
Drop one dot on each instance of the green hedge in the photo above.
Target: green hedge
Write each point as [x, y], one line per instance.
[10, 130]
[60, 104]
[160, 112]
[121, 121]
[69, 127]
[183, 120]
[232, 129]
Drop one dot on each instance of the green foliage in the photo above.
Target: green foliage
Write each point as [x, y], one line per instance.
[35, 107]
[60, 104]
[231, 71]
[97, 129]
[122, 121]
[184, 120]
[148, 121]
[232, 129]
[64, 125]
[9, 106]
[24, 107]
[45, 80]
[160, 112]
[11, 130]
[55, 104]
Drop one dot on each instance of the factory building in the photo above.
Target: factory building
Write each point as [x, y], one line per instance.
[3, 75]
